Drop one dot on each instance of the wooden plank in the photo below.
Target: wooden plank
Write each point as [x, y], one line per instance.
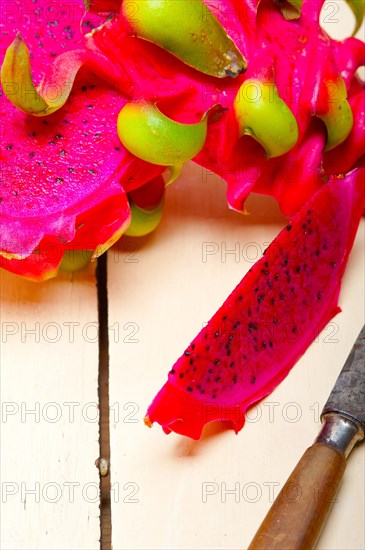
[169, 491]
[49, 425]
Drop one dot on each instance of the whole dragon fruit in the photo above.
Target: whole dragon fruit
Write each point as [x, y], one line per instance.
[254, 91]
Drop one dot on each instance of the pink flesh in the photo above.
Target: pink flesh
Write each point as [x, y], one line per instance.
[269, 320]
[59, 168]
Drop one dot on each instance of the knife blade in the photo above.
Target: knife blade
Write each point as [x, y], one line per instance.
[296, 518]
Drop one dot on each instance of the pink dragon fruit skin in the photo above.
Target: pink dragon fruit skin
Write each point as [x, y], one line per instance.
[270, 318]
[297, 54]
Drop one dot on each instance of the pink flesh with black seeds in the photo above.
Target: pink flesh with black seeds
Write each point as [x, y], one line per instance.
[269, 320]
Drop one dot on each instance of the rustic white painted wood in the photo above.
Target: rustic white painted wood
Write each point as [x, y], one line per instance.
[171, 492]
[49, 429]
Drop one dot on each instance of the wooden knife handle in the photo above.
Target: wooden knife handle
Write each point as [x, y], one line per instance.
[295, 519]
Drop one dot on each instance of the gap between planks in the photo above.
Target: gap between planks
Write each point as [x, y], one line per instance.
[103, 391]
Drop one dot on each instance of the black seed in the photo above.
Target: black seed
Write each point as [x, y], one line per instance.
[58, 136]
[218, 379]
[229, 352]
[319, 296]
[260, 298]
[210, 371]
[234, 379]
[192, 346]
[216, 334]
[181, 375]
[288, 278]
[249, 313]
[71, 169]
[207, 348]
[172, 371]
[194, 369]
[58, 180]
[281, 296]
[263, 345]
[294, 330]
[89, 106]
[31, 155]
[83, 88]
[189, 388]
[276, 277]
[297, 269]
[9, 147]
[191, 361]
[270, 343]
[116, 148]
[230, 337]
[264, 271]
[31, 134]
[187, 353]
[309, 212]
[288, 227]
[62, 153]
[275, 321]
[231, 364]
[272, 301]
[214, 396]
[317, 252]
[217, 361]
[253, 379]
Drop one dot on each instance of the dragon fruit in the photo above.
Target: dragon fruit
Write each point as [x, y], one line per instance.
[270, 318]
[62, 173]
[76, 184]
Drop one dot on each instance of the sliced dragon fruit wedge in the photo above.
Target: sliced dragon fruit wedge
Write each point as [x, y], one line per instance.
[269, 320]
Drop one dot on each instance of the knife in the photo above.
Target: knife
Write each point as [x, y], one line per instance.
[295, 519]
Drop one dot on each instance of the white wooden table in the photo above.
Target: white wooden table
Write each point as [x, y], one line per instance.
[166, 491]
